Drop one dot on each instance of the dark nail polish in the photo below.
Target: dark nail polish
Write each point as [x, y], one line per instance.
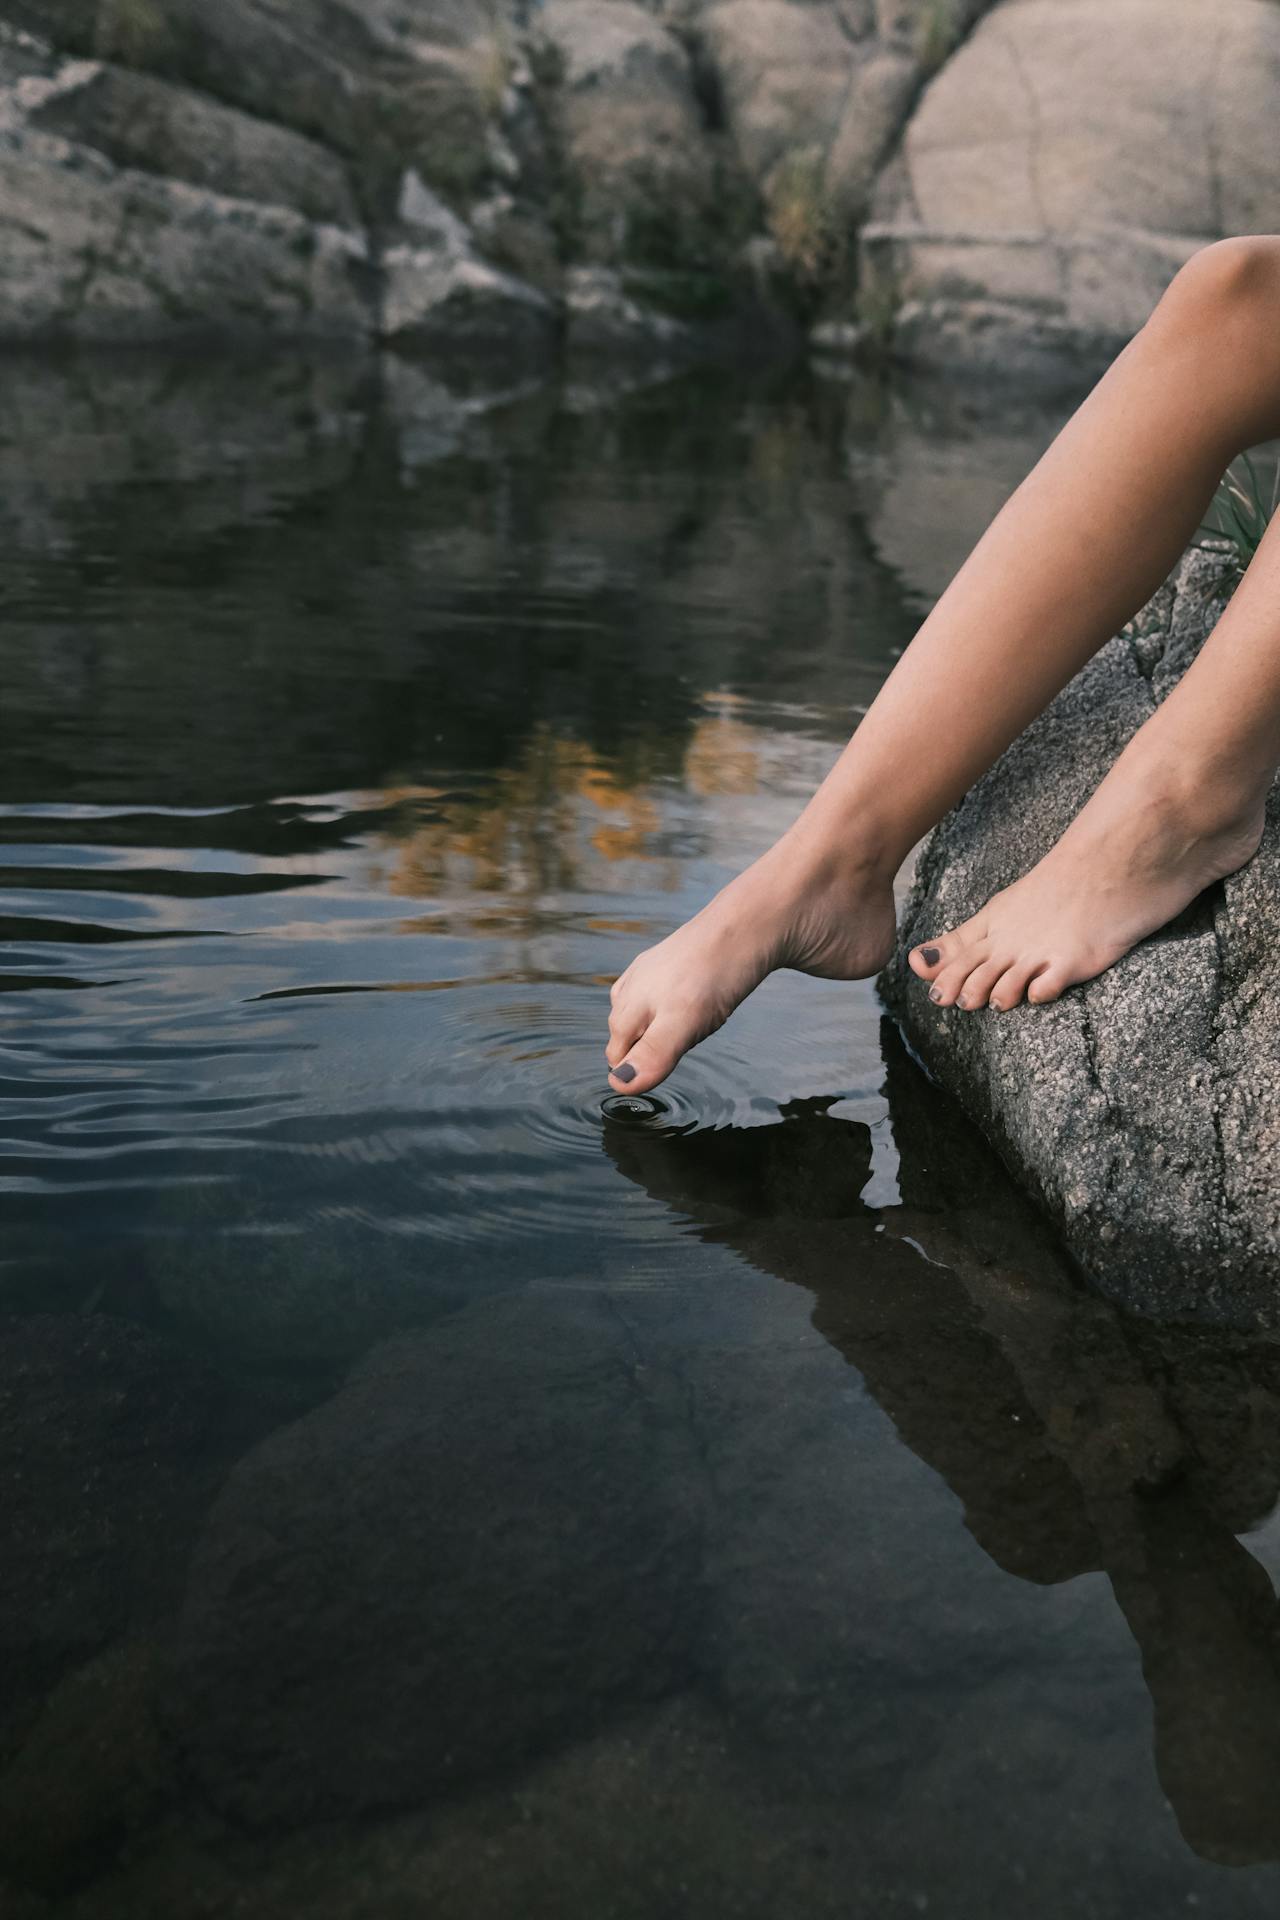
[930, 956]
[626, 1073]
[934, 995]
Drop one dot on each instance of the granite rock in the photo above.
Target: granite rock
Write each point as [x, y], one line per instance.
[1033, 202]
[1140, 1110]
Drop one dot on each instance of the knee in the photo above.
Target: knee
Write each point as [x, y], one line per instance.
[1227, 294]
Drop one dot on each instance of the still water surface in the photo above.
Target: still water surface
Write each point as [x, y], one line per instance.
[434, 1486]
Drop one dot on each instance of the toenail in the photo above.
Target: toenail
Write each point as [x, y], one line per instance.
[626, 1073]
[930, 956]
[963, 1003]
[996, 1006]
[934, 995]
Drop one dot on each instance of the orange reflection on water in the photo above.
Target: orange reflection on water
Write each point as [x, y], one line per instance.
[563, 819]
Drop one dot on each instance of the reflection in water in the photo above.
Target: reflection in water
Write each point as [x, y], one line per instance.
[421, 1494]
[1074, 1440]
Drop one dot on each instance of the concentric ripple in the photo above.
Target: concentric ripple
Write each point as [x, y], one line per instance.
[507, 1142]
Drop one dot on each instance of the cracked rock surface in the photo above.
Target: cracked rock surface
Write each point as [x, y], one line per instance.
[1029, 210]
[1140, 1110]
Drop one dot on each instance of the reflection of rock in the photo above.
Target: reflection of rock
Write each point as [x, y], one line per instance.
[288, 477]
[940, 466]
[481, 1545]
[1141, 1108]
[1033, 206]
[1076, 1440]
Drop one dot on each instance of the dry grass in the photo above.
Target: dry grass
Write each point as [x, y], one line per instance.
[804, 220]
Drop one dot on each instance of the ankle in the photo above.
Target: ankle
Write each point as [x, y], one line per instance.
[837, 849]
[1208, 793]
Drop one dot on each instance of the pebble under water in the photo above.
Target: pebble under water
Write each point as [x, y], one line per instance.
[439, 1484]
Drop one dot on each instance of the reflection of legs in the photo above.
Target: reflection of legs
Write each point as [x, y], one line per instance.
[1077, 550]
[1204, 1613]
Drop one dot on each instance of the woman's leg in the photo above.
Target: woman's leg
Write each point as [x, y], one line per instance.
[1083, 543]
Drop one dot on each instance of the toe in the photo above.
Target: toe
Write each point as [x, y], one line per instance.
[1011, 988]
[975, 991]
[626, 1024]
[651, 1058]
[1049, 984]
[949, 983]
[926, 961]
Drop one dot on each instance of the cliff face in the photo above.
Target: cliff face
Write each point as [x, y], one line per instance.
[956, 178]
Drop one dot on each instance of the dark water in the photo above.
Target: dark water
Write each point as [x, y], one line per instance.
[429, 1486]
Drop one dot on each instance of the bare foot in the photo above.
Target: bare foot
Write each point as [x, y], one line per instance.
[788, 910]
[1141, 850]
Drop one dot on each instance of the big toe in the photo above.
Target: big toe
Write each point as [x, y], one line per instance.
[926, 962]
[652, 1057]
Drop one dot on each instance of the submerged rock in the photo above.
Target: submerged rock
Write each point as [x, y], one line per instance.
[1141, 1110]
[110, 1435]
[482, 1546]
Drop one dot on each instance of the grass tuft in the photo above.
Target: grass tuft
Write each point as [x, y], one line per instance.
[133, 32]
[938, 30]
[1243, 508]
[803, 218]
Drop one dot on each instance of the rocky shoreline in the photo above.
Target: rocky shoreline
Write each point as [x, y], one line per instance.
[905, 176]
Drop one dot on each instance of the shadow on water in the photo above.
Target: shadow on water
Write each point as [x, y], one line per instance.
[421, 1493]
[1075, 1440]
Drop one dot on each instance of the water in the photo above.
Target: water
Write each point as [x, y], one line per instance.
[436, 1484]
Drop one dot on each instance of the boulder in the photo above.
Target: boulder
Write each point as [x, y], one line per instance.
[643, 176]
[141, 122]
[172, 239]
[784, 71]
[133, 209]
[92, 251]
[386, 85]
[1141, 1109]
[112, 1435]
[449, 298]
[1038, 197]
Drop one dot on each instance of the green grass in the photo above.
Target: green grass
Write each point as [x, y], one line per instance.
[131, 31]
[938, 31]
[1242, 510]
